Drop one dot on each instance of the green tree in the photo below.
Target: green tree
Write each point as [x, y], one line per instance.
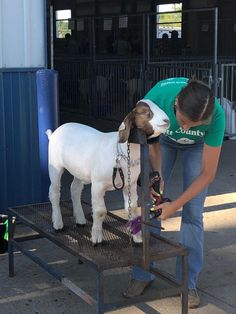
[174, 19]
[62, 28]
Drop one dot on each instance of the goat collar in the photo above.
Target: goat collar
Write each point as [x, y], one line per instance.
[121, 155]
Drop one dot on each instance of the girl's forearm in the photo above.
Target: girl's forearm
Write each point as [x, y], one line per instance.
[198, 185]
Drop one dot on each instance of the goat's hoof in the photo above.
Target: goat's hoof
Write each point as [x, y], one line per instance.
[137, 238]
[98, 244]
[59, 230]
[137, 244]
[80, 225]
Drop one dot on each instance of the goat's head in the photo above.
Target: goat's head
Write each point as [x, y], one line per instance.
[146, 116]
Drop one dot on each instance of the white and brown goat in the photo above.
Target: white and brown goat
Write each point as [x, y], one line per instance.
[90, 156]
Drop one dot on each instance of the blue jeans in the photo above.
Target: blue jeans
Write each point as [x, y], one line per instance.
[191, 231]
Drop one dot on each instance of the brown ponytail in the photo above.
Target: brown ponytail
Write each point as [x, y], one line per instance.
[196, 101]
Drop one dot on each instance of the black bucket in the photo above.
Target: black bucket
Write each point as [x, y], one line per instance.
[4, 232]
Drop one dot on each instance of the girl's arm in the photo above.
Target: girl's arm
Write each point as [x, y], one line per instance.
[210, 159]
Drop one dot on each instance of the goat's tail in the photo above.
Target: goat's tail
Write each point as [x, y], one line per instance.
[49, 133]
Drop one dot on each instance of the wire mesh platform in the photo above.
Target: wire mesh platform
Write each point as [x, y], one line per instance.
[115, 251]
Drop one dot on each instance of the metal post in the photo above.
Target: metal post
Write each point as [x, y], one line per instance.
[148, 39]
[222, 82]
[93, 40]
[185, 284]
[51, 38]
[215, 67]
[48, 118]
[145, 206]
[144, 40]
[100, 293]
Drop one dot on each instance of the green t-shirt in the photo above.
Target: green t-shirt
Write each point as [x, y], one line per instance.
[164, 93]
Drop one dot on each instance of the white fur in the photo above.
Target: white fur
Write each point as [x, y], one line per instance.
[89, 155]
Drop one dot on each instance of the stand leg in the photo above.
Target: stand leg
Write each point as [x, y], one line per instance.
[100, 293]
[10, 247]
[185, 284]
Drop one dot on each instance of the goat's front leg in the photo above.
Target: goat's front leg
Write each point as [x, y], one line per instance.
[99, 212]
[76, 190]
[133, 210]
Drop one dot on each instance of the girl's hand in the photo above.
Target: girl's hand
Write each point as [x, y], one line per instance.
[155, 195]
[168, 209]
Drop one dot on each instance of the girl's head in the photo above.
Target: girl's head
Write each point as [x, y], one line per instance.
[194, 105]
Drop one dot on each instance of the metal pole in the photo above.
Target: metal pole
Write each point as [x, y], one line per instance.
[148, 39]
[10, 247]
[93, 40]
[185, 284]
[144, 40]
[100, 293]
[51, 38]
[215, 86]
[145, 206]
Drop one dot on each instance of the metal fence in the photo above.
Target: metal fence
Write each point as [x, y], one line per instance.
[120, 58]
[228, 97]
[110, 89]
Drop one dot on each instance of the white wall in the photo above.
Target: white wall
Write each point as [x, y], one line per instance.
[22, 34]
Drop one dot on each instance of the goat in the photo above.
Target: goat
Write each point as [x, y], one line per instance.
[101, 83]
[90, 156]
[135, 88]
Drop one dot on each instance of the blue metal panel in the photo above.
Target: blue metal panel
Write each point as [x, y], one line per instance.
[19, 152]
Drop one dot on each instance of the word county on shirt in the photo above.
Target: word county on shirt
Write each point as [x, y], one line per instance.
[189, 132]
[178, 135]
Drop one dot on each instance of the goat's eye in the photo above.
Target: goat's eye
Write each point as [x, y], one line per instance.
[149, 114]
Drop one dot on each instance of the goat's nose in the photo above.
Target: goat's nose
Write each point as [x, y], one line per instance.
[166, 122]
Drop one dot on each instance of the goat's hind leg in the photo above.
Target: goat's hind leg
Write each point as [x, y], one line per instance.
[76, 190]
[54, 195]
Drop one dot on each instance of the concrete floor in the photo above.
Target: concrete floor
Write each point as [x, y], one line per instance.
[32, 290]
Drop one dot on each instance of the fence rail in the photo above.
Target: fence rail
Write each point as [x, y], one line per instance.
[228, 96]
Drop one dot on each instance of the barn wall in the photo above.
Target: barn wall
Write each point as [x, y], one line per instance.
[22, 53]
[22, 35]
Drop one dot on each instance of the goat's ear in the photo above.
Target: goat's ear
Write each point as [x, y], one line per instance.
[125, 127]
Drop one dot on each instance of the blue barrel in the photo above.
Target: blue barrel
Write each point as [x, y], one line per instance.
[48, 118]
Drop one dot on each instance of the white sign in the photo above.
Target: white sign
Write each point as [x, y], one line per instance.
[107, 24]
[123, 21]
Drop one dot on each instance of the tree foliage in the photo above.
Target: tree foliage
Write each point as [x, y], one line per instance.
[172, 19]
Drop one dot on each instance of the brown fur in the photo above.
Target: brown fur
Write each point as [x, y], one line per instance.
[139, 117]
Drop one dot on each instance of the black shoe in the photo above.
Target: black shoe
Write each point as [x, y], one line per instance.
[136, 288]
[193, 299]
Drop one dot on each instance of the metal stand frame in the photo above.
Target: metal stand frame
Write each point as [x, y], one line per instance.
[154, 248]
